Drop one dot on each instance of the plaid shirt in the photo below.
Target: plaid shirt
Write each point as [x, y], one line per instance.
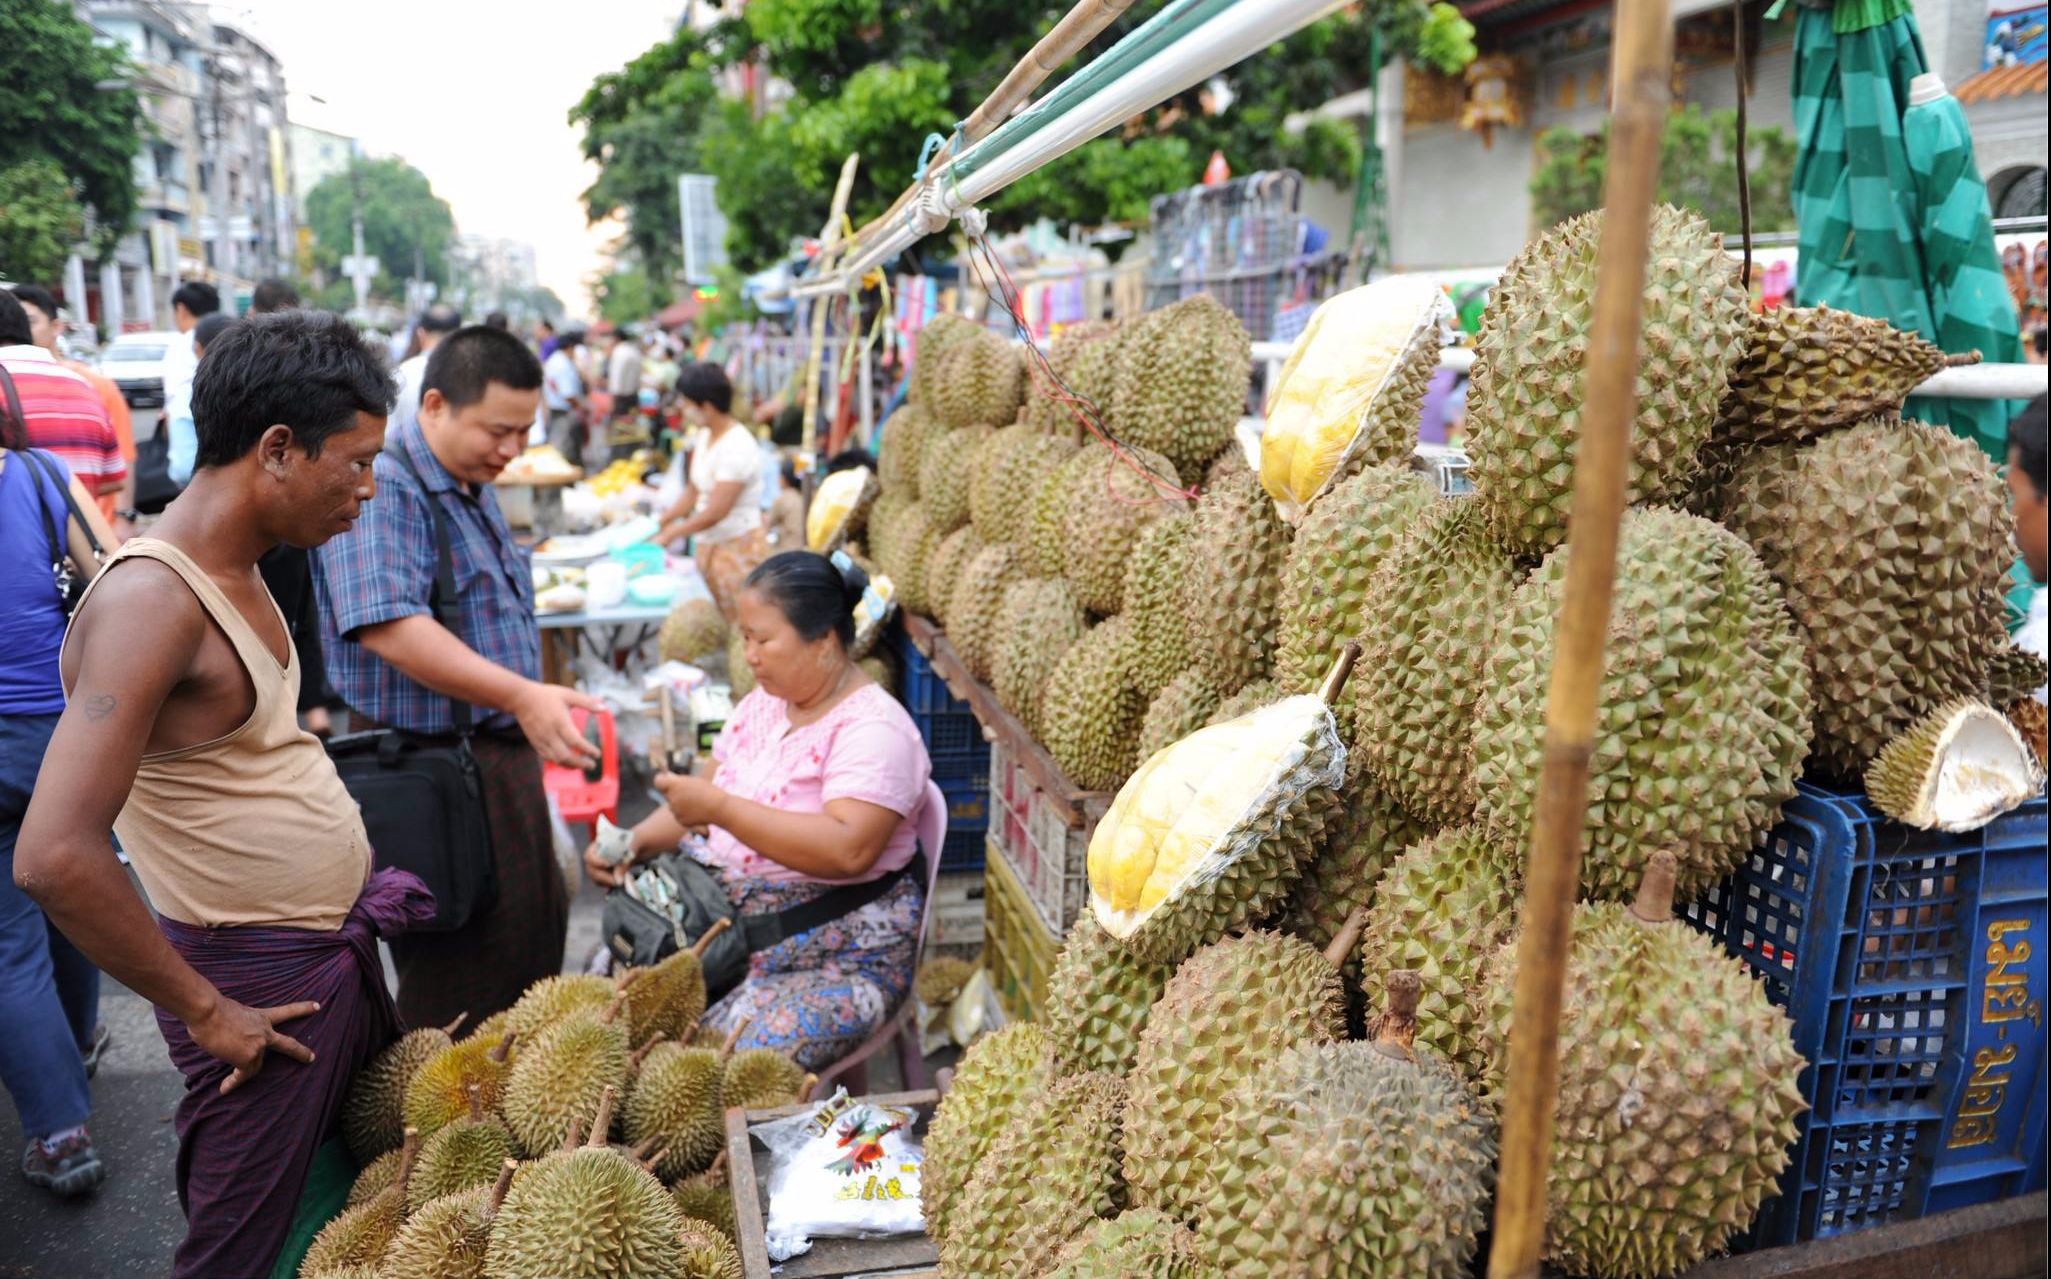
[384, 569]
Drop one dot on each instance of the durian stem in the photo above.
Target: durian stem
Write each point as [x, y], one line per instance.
[805, 1087]
[475, 1092]
[499, 1188]
[408, 1151]
[641, 1053]
[456, 1025]
[1342, 666]
[1640, 79]
[1395, 1031]
[649, 1151]
[718, 1167]
[505, 1047]
[601, 1123]
[733, 1037]
[1655, 901]
[575, 1136]
[1961, 359]
[612, 1010]
[1348, 937]
[717, 927]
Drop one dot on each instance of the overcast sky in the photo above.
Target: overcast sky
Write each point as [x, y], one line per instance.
[474, 93]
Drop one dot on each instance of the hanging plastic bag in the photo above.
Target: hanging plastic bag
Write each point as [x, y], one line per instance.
[842, 1169]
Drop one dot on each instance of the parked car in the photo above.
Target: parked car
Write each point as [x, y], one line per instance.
[136, 363]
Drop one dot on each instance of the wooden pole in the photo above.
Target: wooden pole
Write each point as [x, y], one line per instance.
[829, 249]
[1641, 74]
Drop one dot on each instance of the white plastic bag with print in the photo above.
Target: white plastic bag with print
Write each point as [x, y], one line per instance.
[843, 1169]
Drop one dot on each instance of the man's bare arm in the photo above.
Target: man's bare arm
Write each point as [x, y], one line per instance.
[64, 859]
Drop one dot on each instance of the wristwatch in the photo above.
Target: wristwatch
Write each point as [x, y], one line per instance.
[128, 513]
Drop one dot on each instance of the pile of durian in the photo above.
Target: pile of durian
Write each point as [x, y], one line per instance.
[579, 1132]
[1275, 1042]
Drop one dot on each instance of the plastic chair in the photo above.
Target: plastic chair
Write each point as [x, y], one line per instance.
[899, 1028]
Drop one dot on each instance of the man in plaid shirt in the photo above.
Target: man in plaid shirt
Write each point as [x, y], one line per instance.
[396, 666]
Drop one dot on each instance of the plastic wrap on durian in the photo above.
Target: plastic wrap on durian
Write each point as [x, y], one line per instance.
[837, 507]
[1203, 837]
[1351, 388]
[872, 614]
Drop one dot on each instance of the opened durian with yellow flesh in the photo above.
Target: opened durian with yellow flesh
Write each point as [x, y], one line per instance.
[1212, 832]
[838, 507]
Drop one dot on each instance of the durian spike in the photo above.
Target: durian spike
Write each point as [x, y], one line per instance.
[641, 1054]
[408, 1150]
[504, 1049]
[1655, 900]
[705, 938]
[476, 1098]
[1395, 1031]
[456, 1025]
[1342, 666]
[507, 1168]
[733, 1037]
[601, 1123]
[1348, 935]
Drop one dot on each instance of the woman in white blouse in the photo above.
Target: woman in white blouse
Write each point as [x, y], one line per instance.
[718, 507]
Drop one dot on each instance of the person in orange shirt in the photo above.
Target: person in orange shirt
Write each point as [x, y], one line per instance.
[41, 306]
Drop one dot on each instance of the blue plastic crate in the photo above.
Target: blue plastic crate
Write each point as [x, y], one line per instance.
[968, 821]
[1913, 964]
[952, 735]
[925, 693]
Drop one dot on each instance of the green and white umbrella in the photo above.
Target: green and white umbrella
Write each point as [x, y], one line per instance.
[1894, 221]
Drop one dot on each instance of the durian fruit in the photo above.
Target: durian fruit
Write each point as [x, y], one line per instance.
[943, 571]
[944, 476]
[460, 1155]
[708, 1197]
[1211, 833]
[975, 611]
[1092, 371]
[1380, 1162]
[903, 450]
[981, 381]
[988, 502]
[1231, 590]
[359, 1236]
[2012, 674]
[679, 1096]
[1183, 706]
[1331, 566]
[446, 1238]
[740, 677]
[705, 1253]
[941, 978]
[932, 342]
[1956, 769]
[1045, 530]
[562, 1074]
[1153, 600]
[881, 670]
[374, 1115]
[1113, 497]
[1891, 540]
[915, 540]
[489, 1031]
[1000, 496]
[694, 630]
[1524, 406]
[996, 1077]
[550, 1000]
[1098, 997]
[2027, 714]
[375, 1176]
[1091, 710]
[759, 1078]
[1245, 701]
[1181, 381]
[1351, 394]
[590, 1212]
[1040, 622]
[1806, 371]
[1137, 1244]
[1703, 711]
[1193, 1117]
[668, 996]
[839, 507]
[1046, 411]
[1040, 1182]
[1429, 624]
[1677, 1089]
[1367, 836]
[1441, 911]
[440, 1092]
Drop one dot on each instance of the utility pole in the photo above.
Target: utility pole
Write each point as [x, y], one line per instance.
[359, 266]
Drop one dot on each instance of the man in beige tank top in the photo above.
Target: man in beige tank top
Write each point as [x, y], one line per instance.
[180, 732]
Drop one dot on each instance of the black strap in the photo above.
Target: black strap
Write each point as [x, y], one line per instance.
[448, 608]
[53, 473]
[765, 931]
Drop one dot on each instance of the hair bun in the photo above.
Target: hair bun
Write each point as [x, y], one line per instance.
[854, 582]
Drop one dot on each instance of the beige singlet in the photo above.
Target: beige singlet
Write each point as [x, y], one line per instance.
[254, 827]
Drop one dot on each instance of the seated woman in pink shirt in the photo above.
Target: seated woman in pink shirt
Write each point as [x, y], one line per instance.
[820, 776]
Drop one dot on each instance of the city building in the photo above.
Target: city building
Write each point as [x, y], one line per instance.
[246, 166]
[490, 273]
[316, 155]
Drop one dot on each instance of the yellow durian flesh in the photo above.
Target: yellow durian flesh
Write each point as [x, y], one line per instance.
[837, 498]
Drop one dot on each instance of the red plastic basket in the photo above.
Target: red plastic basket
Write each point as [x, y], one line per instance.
[576, 796]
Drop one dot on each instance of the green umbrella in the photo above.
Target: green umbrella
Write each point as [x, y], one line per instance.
[1893, 215]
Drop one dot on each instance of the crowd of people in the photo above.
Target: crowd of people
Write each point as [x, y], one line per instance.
[297, 572]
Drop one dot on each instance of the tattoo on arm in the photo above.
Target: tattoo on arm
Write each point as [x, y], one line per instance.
[99, 706]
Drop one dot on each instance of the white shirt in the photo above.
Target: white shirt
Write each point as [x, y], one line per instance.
[623, 370]
[560, 382]
[407, 411]
[734, 458]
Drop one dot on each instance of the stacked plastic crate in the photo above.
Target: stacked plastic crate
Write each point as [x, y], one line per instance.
[961, 769]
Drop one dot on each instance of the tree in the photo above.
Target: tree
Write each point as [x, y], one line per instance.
[1697, 170]
[402, 218]
[54, 109]
[39, 220]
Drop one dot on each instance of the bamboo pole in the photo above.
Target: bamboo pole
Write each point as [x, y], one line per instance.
[1641, 75]
[829, 249]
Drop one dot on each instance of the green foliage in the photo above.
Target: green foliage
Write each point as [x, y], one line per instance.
[1697, 170]
[1110, 174]
[401, 213]
[1445, 41]
[629, 294]
[40, 219]
[51, 110]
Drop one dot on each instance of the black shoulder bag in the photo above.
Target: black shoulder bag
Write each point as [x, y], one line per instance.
[691, 900]
[423, 796]
[70, 583]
